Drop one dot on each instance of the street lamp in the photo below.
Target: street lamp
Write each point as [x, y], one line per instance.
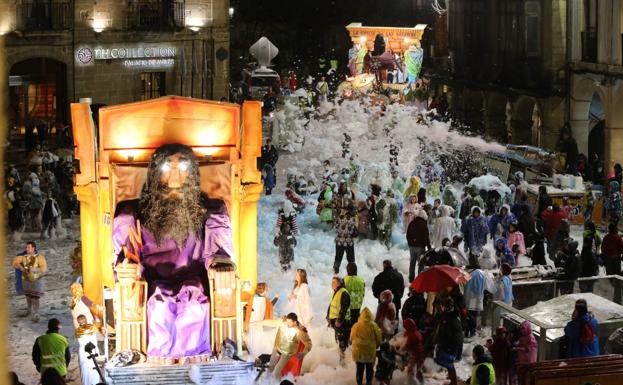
[231, 12]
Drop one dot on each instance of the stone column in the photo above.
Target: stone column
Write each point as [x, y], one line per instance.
[552, 120]
[616, 32]
[495, 118]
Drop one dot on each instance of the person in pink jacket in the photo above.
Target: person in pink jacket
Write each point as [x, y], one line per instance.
[526, 347]
[515, 237]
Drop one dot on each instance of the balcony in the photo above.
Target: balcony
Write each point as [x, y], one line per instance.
[589, 46]
[39, 15]
[156, 15]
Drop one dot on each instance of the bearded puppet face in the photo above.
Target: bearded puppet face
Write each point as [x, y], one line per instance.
[170, 202]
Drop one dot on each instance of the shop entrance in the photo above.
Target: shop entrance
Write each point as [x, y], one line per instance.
[37, 99]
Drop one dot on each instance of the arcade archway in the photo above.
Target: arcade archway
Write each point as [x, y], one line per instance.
[37, 93]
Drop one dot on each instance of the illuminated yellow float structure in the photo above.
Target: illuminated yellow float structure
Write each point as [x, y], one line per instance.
[398, 39]
[113, 167]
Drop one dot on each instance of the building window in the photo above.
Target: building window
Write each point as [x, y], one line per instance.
[152, 85]
[156, 14]
[590, 31]
[532, 26]
[40, 15]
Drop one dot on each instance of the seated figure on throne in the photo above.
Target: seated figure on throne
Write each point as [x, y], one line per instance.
[180, 232]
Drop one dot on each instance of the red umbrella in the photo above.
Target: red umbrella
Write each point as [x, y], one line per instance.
[438, 278]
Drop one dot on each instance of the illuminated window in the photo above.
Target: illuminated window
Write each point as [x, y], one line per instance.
[152, 85]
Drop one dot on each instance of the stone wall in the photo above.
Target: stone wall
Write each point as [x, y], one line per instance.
[109, 81]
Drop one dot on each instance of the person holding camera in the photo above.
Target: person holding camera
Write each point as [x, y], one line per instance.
[86, 334]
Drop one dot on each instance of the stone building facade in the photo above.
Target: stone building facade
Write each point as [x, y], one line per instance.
[111, 51]
[513, 79]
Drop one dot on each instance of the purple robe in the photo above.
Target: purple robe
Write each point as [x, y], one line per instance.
[178, 313]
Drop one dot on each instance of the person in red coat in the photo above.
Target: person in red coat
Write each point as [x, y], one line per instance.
[552, 218]
[414, 346]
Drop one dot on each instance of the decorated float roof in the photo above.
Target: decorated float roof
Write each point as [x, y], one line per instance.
[399, 39]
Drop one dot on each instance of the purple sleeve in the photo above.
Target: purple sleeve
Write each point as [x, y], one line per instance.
[120, 228]
[218, 237]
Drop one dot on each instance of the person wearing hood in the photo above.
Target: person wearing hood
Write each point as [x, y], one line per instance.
[613, 202]
[285, 237]
[475, 231]
[386, 315]
[414, 187]
[502, 219]
[527, 346]
[568, 263]
[448, 198]
[365, 337]
[501, 353]
[448, 337]
[345, 232]
[418, 240]
[387, 215]
[324, 208]
[483, 372]
[391, 279]
[413, 345]
[471, 200]
[515, 237]
[474, 297]
[581, 332]
[444, 227]
[398, 184]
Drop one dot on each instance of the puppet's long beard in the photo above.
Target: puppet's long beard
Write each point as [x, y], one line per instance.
[175, 219]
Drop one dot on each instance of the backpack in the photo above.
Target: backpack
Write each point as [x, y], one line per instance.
[587, 334]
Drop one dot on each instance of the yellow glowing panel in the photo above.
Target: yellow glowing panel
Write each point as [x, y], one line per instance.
[149, 124]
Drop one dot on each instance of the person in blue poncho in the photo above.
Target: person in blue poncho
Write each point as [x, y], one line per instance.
[581, 332]
[475, 231]
[503, 253]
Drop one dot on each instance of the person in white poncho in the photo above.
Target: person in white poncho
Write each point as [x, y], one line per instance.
[443, 227]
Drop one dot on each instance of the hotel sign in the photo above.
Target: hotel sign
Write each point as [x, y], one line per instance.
[131, 56]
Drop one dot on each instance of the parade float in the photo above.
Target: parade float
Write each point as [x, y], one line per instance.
[377, 51]
[113, 164]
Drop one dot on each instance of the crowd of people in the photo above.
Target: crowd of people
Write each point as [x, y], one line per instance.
[453, 230]
[38, 197]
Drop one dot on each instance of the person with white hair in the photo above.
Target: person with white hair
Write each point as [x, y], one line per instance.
[285, 233]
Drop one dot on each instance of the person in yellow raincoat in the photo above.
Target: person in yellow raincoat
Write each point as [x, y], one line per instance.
[414, 187]
[365, 337]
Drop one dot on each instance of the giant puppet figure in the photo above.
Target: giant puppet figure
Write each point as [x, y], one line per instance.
[181, 233]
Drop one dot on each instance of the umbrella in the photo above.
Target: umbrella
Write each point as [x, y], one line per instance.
[438, 278]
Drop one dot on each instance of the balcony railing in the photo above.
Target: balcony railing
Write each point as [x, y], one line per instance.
[589, 46]
[156, 14]
[40, 15]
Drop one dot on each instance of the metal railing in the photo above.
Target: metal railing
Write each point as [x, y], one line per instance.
[39, 15]
[155, 14]
[497, 307]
